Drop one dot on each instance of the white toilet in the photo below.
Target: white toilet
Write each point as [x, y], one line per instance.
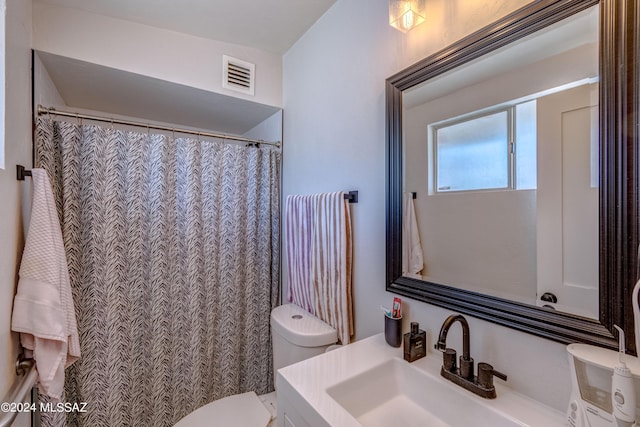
[296, 335]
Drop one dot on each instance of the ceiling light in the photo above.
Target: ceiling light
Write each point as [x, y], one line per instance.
[406, 14]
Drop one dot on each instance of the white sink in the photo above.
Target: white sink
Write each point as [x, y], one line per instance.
[396, 393]
[367, 383]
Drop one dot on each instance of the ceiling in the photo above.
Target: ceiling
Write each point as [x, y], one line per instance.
[269, 25]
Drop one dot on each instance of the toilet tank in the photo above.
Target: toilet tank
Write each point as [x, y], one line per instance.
[297, 335]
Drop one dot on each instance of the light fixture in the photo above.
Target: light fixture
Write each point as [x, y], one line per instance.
[406, 14]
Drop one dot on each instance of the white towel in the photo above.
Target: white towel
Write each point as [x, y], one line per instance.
[412, 257]
[43, 310]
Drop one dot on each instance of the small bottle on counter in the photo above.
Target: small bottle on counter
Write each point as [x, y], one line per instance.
[415, 343]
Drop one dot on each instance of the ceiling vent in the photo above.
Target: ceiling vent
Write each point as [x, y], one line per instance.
[238, 75]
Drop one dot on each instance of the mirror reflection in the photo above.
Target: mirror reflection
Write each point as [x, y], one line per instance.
[501, 155]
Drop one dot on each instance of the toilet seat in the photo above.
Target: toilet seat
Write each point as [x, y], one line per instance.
[244, 409]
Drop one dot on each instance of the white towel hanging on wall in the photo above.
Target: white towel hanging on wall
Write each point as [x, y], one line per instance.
[43, 310]
[412, 255]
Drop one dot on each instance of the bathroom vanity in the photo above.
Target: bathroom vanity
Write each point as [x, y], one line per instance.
[368, 384]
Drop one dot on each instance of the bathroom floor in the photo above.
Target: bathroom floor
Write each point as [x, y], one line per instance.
[269, 401]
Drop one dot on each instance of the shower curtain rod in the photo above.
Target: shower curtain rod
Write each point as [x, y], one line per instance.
[52, 111]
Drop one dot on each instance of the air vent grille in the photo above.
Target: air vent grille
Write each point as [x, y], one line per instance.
[238, 75]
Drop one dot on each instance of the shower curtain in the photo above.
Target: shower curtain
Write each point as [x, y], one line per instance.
[173, 252]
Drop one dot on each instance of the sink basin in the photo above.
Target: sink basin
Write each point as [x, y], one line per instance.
[395, 393]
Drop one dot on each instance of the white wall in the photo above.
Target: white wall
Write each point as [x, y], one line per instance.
[334, 136]
[466, 235]
[268, 130]
[17, 141]
[150, 51]
[44, 90]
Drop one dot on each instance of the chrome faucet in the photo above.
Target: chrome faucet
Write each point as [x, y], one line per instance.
[482, 384]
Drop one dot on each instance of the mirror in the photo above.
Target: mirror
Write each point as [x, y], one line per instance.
[503, 154]
[553, 216]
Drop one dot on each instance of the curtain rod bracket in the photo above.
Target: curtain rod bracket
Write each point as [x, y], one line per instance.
[21, 172]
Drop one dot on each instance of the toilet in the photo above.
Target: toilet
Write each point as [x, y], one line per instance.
[295, 335]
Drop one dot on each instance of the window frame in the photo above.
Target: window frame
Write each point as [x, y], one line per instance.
[510, 109]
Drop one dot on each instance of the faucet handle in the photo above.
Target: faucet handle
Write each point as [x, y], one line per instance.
[486, 374]
[449, 360]
[500, 375]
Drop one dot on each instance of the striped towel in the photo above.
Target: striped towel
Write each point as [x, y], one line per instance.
[298, 226]
[319, 256]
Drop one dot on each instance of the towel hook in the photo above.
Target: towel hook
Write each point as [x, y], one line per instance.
[21, 172]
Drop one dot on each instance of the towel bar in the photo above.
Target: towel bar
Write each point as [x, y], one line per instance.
[18, 391]
[21, 172]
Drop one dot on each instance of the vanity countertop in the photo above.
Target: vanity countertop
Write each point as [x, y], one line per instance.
[305, 385]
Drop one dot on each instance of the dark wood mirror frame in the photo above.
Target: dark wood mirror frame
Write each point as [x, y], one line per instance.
[619, 177]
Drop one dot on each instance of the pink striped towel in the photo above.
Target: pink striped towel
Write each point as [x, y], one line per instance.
[319, 257]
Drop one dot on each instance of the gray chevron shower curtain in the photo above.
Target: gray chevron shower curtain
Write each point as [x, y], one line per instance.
[173, 252]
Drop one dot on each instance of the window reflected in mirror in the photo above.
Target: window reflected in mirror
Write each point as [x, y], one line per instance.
[495, 150]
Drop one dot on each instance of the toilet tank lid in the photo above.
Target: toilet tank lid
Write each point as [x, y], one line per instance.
[300, 327]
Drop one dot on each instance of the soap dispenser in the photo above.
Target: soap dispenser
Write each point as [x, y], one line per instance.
[415, 343]
[623, 396]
